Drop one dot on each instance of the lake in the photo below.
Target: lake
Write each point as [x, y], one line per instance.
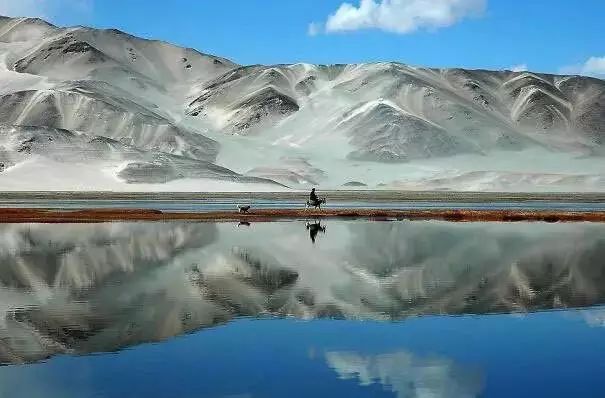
[303, 308]
[222, 204]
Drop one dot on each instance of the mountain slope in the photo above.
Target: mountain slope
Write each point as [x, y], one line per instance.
[384, 125]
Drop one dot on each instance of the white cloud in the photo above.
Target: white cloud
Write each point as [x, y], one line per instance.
[402, 16]
[519, 68]
[46, 9]
[594, 66]
[314, 29]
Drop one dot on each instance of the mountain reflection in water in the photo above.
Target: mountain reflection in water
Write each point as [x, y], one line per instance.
[86, 288]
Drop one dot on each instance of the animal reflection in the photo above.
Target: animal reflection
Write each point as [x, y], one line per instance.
[314, 229]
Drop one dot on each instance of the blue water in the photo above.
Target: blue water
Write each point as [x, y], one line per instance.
[553, 354]
[226, 204]
[302, 309]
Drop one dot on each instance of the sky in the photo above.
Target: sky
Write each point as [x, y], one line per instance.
[553, 36]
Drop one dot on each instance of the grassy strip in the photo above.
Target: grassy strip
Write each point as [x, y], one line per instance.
[28, 215]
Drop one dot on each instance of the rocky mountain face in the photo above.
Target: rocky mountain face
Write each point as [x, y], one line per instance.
[165, 113]
[101, 287]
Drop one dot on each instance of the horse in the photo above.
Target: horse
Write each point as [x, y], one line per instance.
[317, 204]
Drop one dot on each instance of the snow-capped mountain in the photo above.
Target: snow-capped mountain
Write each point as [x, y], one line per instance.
[84, 108]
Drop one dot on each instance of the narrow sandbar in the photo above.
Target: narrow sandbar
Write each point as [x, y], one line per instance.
[29, 215]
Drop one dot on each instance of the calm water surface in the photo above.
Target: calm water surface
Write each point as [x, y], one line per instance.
[202, 205]
[302, 309]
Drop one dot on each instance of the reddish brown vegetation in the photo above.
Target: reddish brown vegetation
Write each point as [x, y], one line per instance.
[103, 215]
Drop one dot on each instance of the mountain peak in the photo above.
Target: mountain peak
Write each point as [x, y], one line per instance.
[180, 114]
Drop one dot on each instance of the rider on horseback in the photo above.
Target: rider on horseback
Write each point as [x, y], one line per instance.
[313, 199]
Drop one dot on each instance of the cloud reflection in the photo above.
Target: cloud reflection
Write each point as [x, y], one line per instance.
[408, 375]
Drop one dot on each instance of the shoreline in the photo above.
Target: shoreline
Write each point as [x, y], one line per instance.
[34, 215]
[331, 195]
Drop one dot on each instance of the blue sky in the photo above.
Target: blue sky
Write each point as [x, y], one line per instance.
[542, 35]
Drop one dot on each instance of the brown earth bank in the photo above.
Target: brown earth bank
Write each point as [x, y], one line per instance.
[29, 215]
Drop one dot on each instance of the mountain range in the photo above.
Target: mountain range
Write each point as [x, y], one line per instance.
[91, 109]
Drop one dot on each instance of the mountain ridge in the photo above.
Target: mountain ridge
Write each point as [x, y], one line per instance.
[385, 124]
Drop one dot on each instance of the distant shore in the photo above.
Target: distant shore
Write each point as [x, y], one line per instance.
[31, 206]
[29, 215]
[332, 195]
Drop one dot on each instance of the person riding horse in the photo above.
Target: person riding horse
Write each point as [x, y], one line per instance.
[313, 199]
